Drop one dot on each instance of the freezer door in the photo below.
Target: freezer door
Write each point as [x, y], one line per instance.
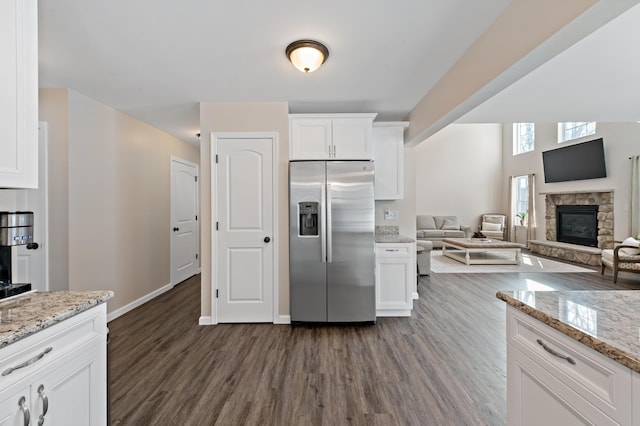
[350, 242]
[307, 242]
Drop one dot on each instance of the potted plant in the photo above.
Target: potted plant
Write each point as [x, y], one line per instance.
[521, 216]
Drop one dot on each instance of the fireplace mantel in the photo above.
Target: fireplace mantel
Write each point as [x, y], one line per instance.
[587, 191]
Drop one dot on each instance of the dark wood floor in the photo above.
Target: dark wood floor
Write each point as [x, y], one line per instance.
[443, 366]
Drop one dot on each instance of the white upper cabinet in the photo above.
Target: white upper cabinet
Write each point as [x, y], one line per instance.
[331, 136]
[388, 155]
[18, 94]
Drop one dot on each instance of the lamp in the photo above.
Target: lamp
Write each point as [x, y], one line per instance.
[307, 55]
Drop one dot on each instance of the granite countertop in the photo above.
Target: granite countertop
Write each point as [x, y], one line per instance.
[393, 238]
[29, 313]
[606, 321]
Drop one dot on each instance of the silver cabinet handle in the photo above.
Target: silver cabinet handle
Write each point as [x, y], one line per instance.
[45, 404]
[27, 362]
[554, 353]
[392, 249]
[26, 416]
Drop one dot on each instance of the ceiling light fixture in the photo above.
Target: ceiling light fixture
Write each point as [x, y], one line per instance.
[307, 55]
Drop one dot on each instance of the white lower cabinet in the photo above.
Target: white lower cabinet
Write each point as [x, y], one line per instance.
[553, 379]
[395, 279]
[57, 376]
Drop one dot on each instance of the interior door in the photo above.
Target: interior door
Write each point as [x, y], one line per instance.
[31, 261]
[244, 223]
[184, 220]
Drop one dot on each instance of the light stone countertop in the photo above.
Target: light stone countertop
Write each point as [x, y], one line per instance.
[393, 239]
[27, 314]
[606, 321]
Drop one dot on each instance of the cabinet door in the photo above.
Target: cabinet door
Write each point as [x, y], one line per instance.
[388, 155]
[395, 280]
[310, 139]
[352, 139]
[16, 409]
[536, 397]
[72, 391]
[19, 89]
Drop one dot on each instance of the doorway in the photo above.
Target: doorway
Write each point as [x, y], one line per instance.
[184, 220]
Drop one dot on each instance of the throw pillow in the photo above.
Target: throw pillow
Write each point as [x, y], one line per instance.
[424, 221]
[450, 225]
[486, 226]
[630, 251]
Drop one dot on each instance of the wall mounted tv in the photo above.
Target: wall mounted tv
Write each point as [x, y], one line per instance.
[575, 162]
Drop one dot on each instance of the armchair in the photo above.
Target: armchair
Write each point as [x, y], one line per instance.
[622, 258]
[494, 226]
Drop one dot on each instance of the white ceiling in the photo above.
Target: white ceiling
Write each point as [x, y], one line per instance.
[157, 59]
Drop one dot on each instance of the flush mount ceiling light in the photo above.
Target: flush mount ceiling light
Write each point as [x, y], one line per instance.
[307, 55]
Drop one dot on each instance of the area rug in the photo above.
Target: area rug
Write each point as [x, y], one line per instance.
[443, 265]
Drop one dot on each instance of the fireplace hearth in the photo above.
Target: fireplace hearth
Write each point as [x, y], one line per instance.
[577, 224]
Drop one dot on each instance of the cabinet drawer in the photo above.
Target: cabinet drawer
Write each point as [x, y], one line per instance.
[393, 250]
[599, 380]
[29, 354]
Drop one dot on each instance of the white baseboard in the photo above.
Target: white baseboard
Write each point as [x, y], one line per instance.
[205, 320]
[283, 319]
[130, 306]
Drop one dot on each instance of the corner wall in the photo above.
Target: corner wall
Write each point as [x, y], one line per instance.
[118, 201]
[245, 117]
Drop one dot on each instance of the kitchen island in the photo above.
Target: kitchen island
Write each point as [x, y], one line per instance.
[573, 357]
[53, 358]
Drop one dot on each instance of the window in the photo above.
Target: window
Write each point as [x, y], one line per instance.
[521, 196]
[523, 137]
[568, 131]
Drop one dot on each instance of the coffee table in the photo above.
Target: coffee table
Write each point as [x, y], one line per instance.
[481, 251]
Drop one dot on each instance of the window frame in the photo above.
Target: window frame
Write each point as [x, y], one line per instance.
[563, 128]
[518, 143]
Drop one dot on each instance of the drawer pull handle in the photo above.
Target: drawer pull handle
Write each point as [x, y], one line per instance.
[392, 249]
[26, 416]
[45, 404]
[27, 362]
[554, 353]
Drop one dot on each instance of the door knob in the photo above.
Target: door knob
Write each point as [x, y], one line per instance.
[267, 239]
[176, 229]
[32, 246]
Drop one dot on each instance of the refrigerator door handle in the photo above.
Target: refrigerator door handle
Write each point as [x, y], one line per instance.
[329, 226]
[323, 234]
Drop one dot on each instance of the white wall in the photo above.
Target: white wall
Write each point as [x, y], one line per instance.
[109, 192]
[459, 172]
[621, 141]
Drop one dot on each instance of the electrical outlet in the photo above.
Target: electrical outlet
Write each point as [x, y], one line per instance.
[391, 215]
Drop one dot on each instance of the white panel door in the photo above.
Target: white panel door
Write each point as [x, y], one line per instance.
[184, 222]
[244, 211]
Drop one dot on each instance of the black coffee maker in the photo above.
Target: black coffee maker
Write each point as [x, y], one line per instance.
[16, 228]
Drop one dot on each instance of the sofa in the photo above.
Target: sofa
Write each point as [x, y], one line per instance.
[435, 228]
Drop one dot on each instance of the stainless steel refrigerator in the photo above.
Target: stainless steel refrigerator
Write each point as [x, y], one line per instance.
[331, 242]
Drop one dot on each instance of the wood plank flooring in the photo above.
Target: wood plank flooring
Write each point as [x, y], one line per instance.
[443, 366]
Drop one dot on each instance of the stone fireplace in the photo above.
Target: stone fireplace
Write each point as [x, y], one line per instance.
[577, 203]
[602, 199]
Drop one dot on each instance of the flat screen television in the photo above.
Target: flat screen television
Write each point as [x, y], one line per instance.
[575, 162]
